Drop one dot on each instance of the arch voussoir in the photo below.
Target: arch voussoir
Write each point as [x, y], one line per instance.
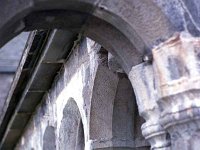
[128, 17]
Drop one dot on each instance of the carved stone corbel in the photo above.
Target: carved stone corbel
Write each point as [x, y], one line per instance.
[142, 79]
[177, 66]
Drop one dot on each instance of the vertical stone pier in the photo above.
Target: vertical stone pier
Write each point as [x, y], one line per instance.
[142, 79]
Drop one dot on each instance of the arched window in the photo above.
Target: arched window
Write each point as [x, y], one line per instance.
[71, 134]
[49, 139]
[114, 119]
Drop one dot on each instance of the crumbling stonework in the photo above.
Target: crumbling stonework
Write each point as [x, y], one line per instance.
[89, 106]
[178, 89]
[146, 38]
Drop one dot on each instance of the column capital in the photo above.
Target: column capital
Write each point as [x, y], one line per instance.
[176, 65]
[177, 71]
[143, 82]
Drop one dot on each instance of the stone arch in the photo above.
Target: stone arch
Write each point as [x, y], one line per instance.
[126, 121]
[101, 20]
[71, 133]
[113, 114]
[49, 139]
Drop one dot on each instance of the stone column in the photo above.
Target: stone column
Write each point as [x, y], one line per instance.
[142, 79]
[177, 69]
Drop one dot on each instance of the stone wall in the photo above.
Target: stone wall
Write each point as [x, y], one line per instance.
[88, 107]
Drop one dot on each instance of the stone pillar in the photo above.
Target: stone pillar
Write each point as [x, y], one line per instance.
[142, 79]
[177, 69]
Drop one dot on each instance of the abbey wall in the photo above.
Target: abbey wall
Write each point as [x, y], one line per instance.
[148, 66]
[89, 106]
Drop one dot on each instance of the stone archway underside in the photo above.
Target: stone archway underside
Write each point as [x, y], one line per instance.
[100, 20]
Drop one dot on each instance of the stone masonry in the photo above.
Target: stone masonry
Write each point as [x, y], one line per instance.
[89, 106]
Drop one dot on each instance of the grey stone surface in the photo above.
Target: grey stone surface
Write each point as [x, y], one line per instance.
[132, 28]
[49, 139]
[88, 106]
[71, 134]
[125, 20]
[178, 89]
[143, 81]
[113, 64]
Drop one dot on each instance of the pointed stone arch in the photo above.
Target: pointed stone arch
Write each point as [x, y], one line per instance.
[101, 20]
[71, 132]
[49, 139]
[114, 121]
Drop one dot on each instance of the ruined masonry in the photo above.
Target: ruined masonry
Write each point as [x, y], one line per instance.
[99, 75]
